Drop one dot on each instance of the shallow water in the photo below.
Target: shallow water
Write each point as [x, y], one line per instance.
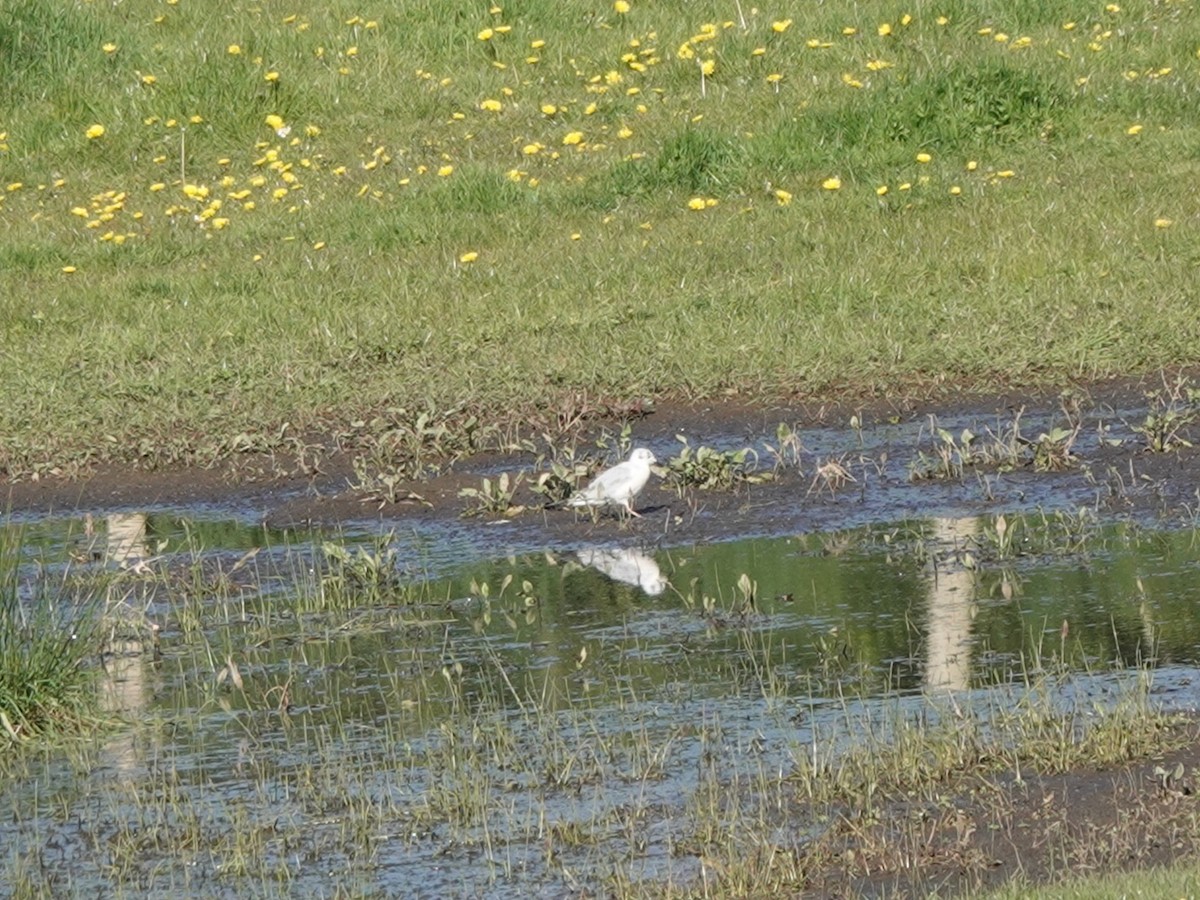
[417, 720]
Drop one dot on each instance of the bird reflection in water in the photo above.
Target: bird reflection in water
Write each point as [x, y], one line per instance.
[626, 566]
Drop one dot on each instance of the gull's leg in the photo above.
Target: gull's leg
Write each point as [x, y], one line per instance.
[629, 509]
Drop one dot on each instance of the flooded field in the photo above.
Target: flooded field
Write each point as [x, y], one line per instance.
[847, 662]
[365, 712]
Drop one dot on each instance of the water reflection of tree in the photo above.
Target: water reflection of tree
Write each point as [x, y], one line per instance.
[123, 687]
[948, 612]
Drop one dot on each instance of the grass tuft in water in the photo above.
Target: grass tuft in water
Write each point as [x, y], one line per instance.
[46, 644]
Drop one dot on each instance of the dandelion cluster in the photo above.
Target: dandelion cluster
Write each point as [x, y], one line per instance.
[538, 115]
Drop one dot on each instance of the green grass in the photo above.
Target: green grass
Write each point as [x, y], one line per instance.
[48, 644]
[341, 292]
[1176, 881]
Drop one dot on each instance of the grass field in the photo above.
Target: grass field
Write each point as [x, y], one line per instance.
[312, 222]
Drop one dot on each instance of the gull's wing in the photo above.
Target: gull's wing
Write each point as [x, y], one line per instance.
[610, 482]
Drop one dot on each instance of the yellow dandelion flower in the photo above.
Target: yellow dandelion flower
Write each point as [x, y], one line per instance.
[319, 245]
[942, 20]
[491, 105]
[625, 133]
[972, 165]
[538, 44]
[708, 67]
[486, 35]
[233, 50]
[884, 29]
[575, 236]
[906, 20]
[549, 109]
[774, 78]
[906, 186]
[69, 270]
[1005, 173]
[1163, 223]
[881, 190]
[1134, 129]
[572, 137]
[621, 7]
[924, 158]
[469, 257]
[218, 223]
[95, 131]
[832, 184]
[849, 31]
[780, 26]
[783, 197]
[109, 47]
[445, 171]
[955, 190]
[697, 203]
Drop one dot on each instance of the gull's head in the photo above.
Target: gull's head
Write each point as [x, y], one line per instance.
[642, 455]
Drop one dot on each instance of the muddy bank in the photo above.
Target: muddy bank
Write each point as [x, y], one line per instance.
[860, 461]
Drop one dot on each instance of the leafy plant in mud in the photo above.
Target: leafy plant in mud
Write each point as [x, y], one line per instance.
[493, 496]
[1172, 412]
[560, 482]
[1003, 450]
[406, 445]
[949, 458]
[1052, 449]
[709, 469]
[788, 447]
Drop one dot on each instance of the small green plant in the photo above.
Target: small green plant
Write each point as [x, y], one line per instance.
[788, 448]
[493, 496]
[1173, 410]
[1001, 536]
[1052, 449]
[709, 469]
[369, 573]
[557, 485]
[407, 445]
[949, 459]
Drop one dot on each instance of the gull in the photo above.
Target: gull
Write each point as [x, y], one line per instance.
[619, 485]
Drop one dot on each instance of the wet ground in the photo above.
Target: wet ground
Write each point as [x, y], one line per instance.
[700, 648]
[879, 445]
